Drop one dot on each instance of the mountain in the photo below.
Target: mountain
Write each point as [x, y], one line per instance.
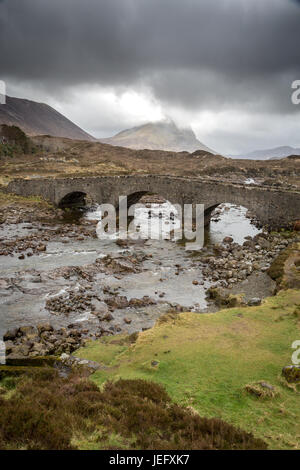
[270, 154]
[39, 118]
[163, 135]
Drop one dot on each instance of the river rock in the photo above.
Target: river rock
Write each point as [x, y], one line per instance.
[10, 335]
[118, 265]
[42, 327]
[121, 242]
[40, 349]
[297, 226]
[143, 302]
[106, 317]
[254, 302]
[98, 307]
[41, 248]
[4, 284]
[41, 341]
[9, 345]
[27, 331]
[265, 244]
[83, 365]
[228, 240]
[117, 302]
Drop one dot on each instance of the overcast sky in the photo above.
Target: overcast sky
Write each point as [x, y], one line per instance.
[225, 67]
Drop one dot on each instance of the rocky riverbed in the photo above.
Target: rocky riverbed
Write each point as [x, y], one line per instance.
[60, 285]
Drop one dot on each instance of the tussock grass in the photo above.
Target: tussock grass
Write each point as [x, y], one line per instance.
[261, 390]
[285, 268]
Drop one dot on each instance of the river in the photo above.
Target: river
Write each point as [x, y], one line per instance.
[167, 273]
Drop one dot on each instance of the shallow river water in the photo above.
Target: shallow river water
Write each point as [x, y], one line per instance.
[167, 276]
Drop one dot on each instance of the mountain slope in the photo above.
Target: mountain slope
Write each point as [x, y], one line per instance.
[268, 154]
[158, 136]
[39, 118]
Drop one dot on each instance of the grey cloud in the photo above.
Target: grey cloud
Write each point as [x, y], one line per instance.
[189, 53]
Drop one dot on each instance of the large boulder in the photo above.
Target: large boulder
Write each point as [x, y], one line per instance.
[255, 301]
[85, 366]
[99, 308]
[40, 349]
[42, 327]
[291, 373]
[116, 302]
[228, 240]
[10, 335]
[297, 226]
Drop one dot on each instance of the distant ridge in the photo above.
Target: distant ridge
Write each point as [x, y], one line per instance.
[39, 118]
[270, 154]
[163, 135]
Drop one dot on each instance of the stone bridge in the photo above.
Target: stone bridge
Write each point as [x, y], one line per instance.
[272, 207]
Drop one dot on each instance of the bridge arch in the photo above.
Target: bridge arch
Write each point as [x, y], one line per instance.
[73, 199]
[210, 212]
[146, 196]
[155, 204]
[135, 197]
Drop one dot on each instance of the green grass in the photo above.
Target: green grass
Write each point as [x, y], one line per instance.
[8, 198]
[105, 351]
[206, 360]
[101, 439]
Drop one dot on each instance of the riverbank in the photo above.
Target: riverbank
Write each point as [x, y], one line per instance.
[167, 387]
[227, 365]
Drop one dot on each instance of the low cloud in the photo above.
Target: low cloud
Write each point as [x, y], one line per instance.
[186, 57]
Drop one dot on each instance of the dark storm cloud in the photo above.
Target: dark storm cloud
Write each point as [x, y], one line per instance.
[190, 53]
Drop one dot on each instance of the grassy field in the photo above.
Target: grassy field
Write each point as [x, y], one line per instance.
[206, 361]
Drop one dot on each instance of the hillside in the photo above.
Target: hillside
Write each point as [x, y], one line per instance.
[65, 157]
[164, 135]
[270, 154]
[39, 119]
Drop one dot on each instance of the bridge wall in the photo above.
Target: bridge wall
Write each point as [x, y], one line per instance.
[272, 207]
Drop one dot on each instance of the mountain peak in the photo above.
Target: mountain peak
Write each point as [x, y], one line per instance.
[159, 135]
[39, 118]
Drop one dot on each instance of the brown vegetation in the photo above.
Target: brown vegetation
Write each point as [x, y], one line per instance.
[42, 411]
[285, 268]
[13, 141]
[61, 157]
